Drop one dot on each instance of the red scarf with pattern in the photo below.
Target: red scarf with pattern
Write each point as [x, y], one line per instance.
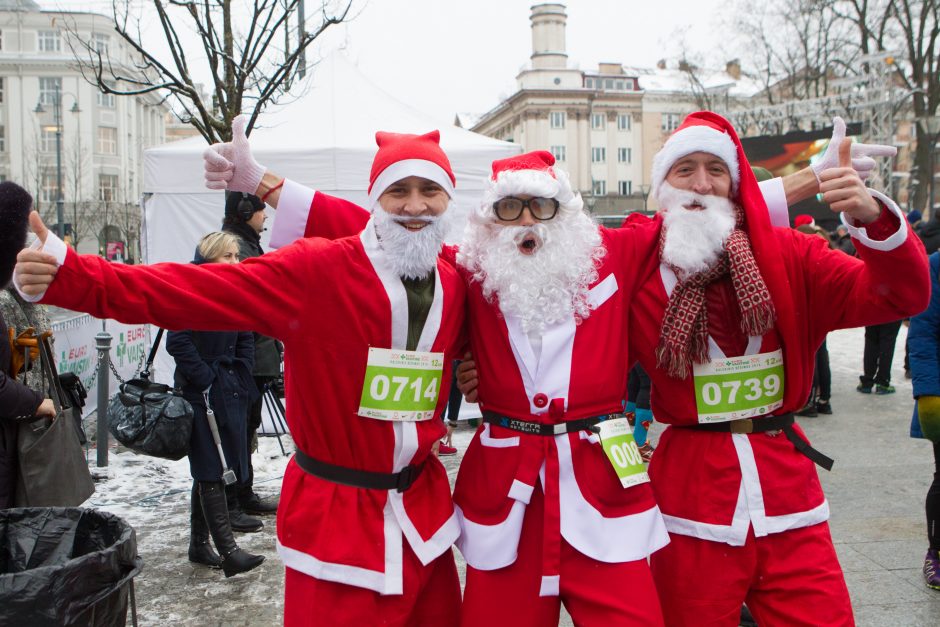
[684, 335]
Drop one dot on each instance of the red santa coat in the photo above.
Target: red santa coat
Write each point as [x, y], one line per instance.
[328, 301]
[581, 372]
[714, 486]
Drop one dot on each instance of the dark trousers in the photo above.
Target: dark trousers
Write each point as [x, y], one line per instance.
[933, 502]
[822, 376]
[254, 421]
[879, 352]
[452, 411]
[638, 387]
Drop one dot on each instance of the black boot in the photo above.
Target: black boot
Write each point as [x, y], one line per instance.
[239, 519]
[254, 504]
[200, 551]
[234, 559]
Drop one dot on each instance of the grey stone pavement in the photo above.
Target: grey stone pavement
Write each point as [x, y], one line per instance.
[876, 493]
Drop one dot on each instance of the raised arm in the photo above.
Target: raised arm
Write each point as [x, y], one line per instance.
[265, 294]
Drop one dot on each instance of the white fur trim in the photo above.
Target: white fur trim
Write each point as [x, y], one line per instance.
[293, 212]
[861, 233]
[696, 139]
[549, 586]
[405, 168]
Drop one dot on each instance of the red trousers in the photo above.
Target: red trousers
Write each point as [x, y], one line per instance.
[791, 578]
[431, 598]
[594, 593]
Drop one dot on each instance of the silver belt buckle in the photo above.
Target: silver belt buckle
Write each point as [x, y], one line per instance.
[560, 428]
[745, 425]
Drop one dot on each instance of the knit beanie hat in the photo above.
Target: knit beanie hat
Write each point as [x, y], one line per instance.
[15, 205]
[401, 155]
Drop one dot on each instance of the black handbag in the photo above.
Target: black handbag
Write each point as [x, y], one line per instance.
[52, 467]
[151, 418]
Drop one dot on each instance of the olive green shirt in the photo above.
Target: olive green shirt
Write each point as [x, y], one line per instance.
[420, 296]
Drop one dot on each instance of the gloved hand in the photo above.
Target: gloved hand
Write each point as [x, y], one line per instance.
[863, 155]
[928, 412]
[229, 165]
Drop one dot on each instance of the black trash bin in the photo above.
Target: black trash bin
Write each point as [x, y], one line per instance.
[66, 566]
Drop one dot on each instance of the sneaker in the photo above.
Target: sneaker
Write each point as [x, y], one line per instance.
[932, 569]
[884, 389]
[824, 407]
[809, 410]
[864, 389]
[446, 450]
[646, 452]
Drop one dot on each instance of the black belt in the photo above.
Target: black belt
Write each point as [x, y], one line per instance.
[784, 423]
[537, 428]
[400, 481]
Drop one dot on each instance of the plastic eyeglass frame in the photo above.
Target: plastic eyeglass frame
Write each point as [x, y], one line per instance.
[525, 205]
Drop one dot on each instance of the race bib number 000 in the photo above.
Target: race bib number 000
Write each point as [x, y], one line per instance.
[621, 449]
[401, 385]
[739, 387]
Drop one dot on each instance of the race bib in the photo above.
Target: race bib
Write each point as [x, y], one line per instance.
[401, 385]
[620, 448]
[739, 387]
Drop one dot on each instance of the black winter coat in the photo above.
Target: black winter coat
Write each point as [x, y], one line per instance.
[930, 236]
[222, 362]
[16, 400]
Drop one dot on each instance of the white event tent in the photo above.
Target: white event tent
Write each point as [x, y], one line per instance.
[325, 139]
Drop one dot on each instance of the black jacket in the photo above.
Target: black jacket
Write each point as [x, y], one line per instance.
[16, 400]
[930, 235]
[267, 353]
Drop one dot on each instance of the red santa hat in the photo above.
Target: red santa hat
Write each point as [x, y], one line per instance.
[802, 219]
[697, 134]
[401, 155]
[530, 174]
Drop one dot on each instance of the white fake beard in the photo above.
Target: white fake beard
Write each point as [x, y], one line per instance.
[544, 287]
[694, 238]
[412, 254]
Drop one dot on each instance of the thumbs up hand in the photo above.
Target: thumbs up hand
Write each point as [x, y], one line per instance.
[35, 269]
[843, 190]
[230, 165]
[862, 155]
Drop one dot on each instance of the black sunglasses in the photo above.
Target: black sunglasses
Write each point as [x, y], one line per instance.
[510, 208]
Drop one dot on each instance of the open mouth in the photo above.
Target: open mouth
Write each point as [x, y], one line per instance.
[528, 245]
[695, 205]
[413, 226]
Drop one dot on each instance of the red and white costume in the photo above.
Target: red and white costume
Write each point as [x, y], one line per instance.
[749, 507]
[329, 302]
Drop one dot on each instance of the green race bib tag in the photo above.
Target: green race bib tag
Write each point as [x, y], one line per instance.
[401, 385]
[620, 448]
[739, 387]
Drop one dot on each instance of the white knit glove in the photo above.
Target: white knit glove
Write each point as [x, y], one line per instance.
[230, 166]
[863, 155]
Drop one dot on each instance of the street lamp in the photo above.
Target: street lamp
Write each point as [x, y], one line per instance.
[57, 116]
[645, 191]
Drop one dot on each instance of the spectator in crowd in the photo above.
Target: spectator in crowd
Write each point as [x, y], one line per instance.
[843, 241]
[17, 402]
[818, 402]
[876, 362]
[915, 219]
[213, 368]
[930, 235]
[924, 339]
[244, 218]
[450, 415]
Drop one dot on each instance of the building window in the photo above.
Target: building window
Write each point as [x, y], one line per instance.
[100, 43]
[624, 122]
[598, 155]
[47, 139]
[618, 85]
[589, 83]
[49, 41]
[47, 185]
[3, 139]
[597, 121]
[557, 119]
[107, 187]
[48, 88]
[599, 188]
[106, 100]
[671, 122]
[625, 188]
[558, 152]
[2, 85]
[107, 140]
[624, 155]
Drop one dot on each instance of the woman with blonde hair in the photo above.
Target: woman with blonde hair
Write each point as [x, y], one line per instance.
[213, 369]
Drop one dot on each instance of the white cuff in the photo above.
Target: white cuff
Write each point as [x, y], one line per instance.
[776, 199]
[293, 209]
[861, 234]
[53, 246]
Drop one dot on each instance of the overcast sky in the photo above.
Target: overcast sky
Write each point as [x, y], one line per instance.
[443, 56]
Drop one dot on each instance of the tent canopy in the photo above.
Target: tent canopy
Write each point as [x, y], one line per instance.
[324, 139]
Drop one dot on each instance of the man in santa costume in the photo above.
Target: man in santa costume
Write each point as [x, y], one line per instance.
[727, 327]
[371, 325]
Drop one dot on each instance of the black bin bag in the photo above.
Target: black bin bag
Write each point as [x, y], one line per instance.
[65, 566]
